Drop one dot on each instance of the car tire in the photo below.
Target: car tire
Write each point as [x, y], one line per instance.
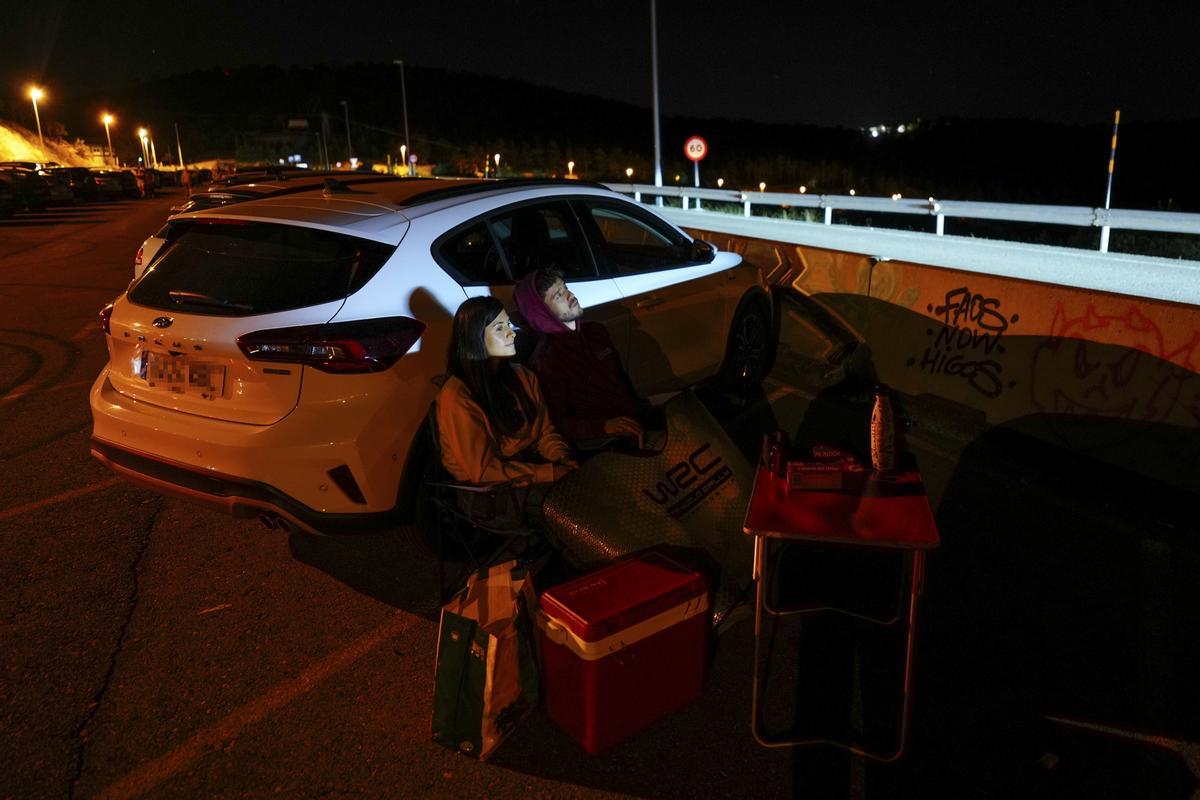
[750, 348]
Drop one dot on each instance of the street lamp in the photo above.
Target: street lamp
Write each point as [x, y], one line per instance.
[404, 106]
[497, 157]
[629, 173]
[108, 120]
[570, 169]
[803, 189]
[720, 182]
[404, 159]
[762, 186]
[36, 94]
[349, 147]
[143, 136]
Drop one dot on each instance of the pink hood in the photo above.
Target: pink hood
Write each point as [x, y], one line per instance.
[533, 308]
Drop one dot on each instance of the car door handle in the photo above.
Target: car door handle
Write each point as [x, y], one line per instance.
[649, 302]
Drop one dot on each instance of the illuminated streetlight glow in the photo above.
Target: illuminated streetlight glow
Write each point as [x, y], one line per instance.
[803, 189]
[852, 193]
[720, 182]
[144, 137]
[629, 172]
[109, 119]
[35, 94]
[762, 186]
[570, 168]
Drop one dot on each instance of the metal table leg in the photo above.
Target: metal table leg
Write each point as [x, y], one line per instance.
[915, 565]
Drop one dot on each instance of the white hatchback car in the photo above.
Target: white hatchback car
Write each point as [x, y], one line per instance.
[276, 357]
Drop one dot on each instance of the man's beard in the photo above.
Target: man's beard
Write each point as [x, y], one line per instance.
[572, 314]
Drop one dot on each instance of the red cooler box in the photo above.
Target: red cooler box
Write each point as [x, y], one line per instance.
[623, 646]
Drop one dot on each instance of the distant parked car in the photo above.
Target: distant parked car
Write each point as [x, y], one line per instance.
[108, 185]
[80, 180]
[8, 197]
[31, 190]
[128, 180]
[60, 190]
[255, 186]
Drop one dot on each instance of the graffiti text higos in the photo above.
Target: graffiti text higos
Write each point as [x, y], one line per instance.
[968, 344]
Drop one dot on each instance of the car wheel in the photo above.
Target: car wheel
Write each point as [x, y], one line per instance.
[750, 347]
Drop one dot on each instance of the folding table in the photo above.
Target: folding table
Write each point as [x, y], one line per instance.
[879, 510]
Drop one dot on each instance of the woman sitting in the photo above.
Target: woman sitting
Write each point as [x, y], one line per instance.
[492, 420]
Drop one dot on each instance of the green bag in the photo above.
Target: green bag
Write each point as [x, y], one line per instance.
[485, 677]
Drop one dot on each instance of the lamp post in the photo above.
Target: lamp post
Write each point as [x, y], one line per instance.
[143, 135]
[108, 120]
[654, 82]
[349, 147]
[404, 159]
[35, 94]
[570, 169]
[629, 173]
[404, 107]
[497, 157]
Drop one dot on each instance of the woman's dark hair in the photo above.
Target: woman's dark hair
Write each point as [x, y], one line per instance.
[492, 381]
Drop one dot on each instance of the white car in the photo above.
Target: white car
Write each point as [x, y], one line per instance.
[275, 357]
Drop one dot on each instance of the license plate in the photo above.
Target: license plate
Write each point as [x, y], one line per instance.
[181, 375]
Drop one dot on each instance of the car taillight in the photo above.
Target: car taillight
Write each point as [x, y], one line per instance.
[137, 260]
[370, 345]
[106, 318]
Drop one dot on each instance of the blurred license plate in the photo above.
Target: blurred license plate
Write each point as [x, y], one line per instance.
[181, 375]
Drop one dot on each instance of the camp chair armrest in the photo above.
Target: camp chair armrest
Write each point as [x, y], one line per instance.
[480, 488]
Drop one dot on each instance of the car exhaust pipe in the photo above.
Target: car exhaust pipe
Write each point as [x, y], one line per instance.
[283, 525]
[266, 520]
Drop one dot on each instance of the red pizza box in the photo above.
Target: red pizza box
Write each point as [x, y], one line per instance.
[622, 647]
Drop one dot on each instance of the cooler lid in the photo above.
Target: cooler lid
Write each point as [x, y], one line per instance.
[613, 598]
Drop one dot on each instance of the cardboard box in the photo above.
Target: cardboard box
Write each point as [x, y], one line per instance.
[622, 647]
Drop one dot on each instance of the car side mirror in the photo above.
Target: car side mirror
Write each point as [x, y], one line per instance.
[703, 252]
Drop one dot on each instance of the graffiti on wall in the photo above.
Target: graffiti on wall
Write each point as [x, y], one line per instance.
[968, 344]
[1116, 366]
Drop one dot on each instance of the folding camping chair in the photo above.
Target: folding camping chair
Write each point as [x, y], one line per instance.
[485, 523]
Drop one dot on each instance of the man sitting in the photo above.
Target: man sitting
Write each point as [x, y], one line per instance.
[587, 392]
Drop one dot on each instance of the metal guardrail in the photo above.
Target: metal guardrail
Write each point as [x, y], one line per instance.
[1079, 216]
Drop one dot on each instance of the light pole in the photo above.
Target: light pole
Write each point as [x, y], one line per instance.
[654, 81]
[570, 169]
[108, 120]
[36, 94]
[629, 173]
[143, 135]
[497, 157]
[404, 108]
[349, 147]
[404, 159]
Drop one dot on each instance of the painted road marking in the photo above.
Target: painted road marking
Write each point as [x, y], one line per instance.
[206, 740]
[16, 511]
[23, 391]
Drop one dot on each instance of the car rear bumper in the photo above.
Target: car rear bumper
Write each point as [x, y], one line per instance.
[285, 467]
[239, 497]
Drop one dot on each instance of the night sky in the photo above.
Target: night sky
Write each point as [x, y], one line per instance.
[836, 62]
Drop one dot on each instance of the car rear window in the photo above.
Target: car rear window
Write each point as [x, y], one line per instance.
[232, 268]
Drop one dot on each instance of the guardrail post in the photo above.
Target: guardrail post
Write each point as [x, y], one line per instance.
[684, 197]
[637, 196]
[697, 203]
[745, 205]
[828, 215]
[941, 224]
[1104, 239]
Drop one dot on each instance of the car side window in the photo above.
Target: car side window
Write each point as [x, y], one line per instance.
[472, 254]
[543, 235]
[629, 241]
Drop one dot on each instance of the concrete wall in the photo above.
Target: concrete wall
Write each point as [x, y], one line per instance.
[1111, 376]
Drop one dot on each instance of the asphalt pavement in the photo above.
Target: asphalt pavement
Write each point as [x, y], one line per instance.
[152, 648]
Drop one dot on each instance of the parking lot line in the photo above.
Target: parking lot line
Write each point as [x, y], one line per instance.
[16, 511]
[153, 773]
[23, 391]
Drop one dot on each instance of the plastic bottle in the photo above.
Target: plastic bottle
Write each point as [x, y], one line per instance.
[883, 432]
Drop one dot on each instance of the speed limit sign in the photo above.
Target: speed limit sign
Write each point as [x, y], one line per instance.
[695, 148]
